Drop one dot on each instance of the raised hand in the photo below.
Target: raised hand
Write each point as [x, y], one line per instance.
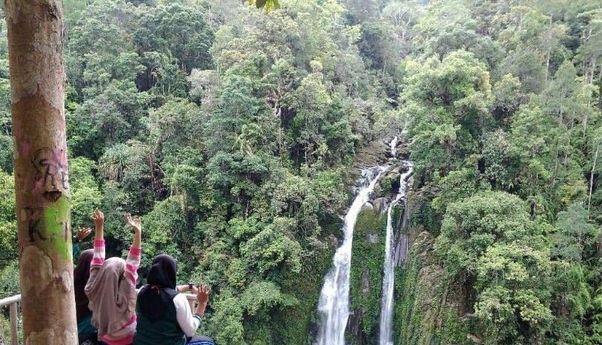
[99, 222]
[99, 217]
[82, 234]
[203, 295]
[135, 222]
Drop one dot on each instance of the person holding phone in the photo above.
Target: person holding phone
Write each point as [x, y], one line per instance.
[164, 315]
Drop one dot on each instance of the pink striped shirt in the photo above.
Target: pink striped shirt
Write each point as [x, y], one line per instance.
[125, 335]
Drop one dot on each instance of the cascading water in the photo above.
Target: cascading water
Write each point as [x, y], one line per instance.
[393, 146]
[334, 298]
[386, 310]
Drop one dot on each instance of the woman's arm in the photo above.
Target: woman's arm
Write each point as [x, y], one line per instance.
[99, 248]
[133, 260]
[188, 288]
[202, 298]
[188, 323]
[80, 235]
[136, 224]
[99, 239]
[99, 224]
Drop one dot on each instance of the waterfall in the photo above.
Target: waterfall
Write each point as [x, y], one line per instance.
[393, 146]
[334, 298]
[386, 310]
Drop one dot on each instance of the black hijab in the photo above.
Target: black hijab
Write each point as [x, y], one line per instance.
[81, 273]
[160, 290]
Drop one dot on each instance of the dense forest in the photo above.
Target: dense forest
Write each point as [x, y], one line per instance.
[238, 133]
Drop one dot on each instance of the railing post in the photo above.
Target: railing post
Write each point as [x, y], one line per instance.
[13, 324]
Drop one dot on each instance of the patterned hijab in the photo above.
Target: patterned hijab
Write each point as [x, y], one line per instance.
[112, 297]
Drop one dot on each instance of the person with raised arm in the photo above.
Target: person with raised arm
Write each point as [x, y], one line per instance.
[164, 314]
[111, 287]
[78, 239]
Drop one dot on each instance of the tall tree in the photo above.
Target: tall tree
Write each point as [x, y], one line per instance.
[35, 38]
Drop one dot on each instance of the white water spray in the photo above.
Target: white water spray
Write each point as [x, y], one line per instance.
[334, 298]
[393, 146]
[386, 310]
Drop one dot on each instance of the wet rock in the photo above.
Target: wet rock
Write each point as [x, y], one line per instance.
[393, 181]
[403, 152]
[333, 241]
[368, 206]
[474, 339]
[372, 238]
[365, 282]
[388, 185]
[380, 204]
[382, 188]
[404, 167]
[372, 155]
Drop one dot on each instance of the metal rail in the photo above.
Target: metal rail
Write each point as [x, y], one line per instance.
[13, 304]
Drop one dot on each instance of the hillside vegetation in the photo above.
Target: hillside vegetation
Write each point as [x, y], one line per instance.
[237, 132]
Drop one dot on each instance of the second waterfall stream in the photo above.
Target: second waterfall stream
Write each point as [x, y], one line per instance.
[393, 256]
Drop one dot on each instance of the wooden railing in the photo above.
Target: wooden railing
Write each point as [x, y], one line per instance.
[13, 305]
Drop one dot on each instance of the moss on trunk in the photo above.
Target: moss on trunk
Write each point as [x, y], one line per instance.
[35, 43]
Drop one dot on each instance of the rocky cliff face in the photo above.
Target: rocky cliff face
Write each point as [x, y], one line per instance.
[369, 243]
[426, 300]
[429, 307]
[366, 276]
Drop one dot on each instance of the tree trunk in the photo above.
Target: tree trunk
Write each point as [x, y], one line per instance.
[35, 42]
[591, 179]
[548, 54]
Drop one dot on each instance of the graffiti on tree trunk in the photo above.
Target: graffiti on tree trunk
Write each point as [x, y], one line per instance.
[52, 176]
[45, 214]
[33, 216]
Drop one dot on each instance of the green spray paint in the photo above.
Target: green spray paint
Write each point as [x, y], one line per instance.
[57, 220]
